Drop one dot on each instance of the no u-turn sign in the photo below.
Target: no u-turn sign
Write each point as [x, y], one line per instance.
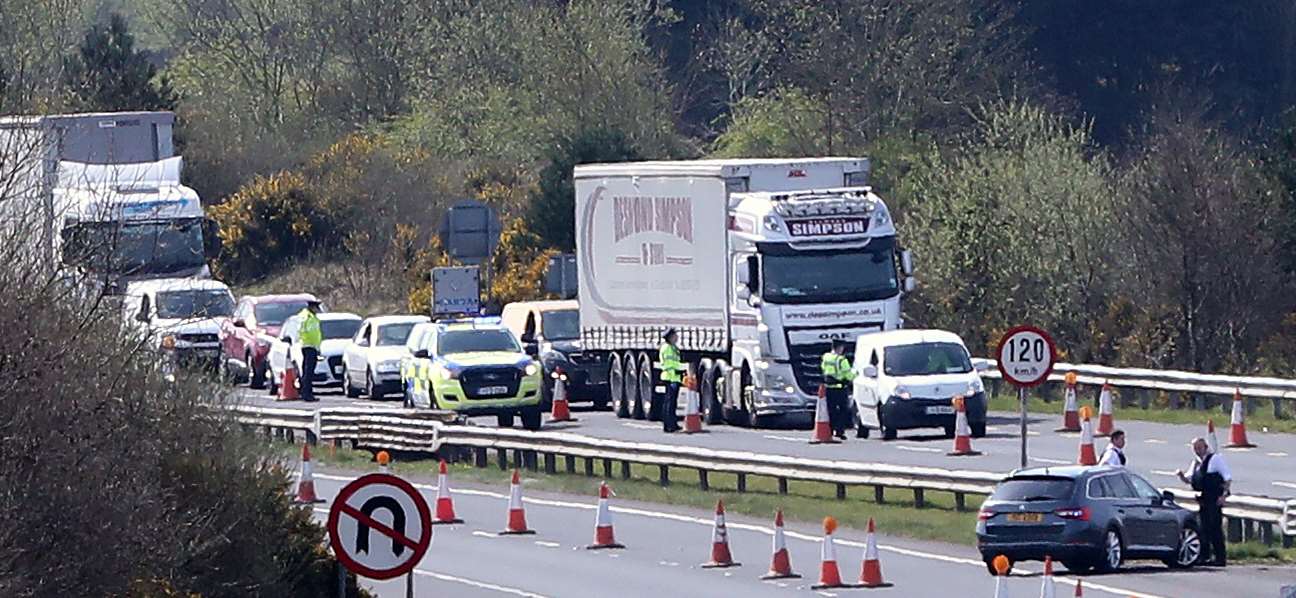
[379, 526]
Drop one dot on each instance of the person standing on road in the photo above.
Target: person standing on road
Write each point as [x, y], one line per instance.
[1211, 479]
[1114, 456]
[672, 373]
[837, 374]
[310, 338]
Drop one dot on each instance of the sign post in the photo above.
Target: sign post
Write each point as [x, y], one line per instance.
[380, 527]
[1026, 355]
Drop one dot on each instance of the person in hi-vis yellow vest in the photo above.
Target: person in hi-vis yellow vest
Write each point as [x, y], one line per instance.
[837, 376]
[672, 374]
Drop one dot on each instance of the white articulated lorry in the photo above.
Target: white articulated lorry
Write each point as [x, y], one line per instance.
[759, 264]
[98, 197]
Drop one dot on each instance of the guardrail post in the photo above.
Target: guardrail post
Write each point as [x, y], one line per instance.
[571, 463]
[479, 454]
[519, 458]
[703, 482]
[1266, 531]
[1277, 407]
[501, 456]
[1288, 541]
[625, 470]
[550, 463]
[1248, 530]
[960, 501]
[1234, 530]
[311, 439]
[607, 469]
[664, 474]
[879, 495]
[919, 499]
[742, 482]
[782, 485]
[589, 466]
[841, 491]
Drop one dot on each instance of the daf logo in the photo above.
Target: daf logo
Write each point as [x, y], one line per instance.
[832, 336]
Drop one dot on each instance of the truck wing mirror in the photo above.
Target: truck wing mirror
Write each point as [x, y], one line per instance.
[743, 275]
[742, 292]
[910, 283]
[906, 262]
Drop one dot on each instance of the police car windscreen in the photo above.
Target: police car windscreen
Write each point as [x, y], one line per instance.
[561, 325]
[477, 341]
[926, 359]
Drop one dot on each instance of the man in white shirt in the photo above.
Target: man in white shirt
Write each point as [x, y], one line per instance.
[1114, 456]
[1211, 479]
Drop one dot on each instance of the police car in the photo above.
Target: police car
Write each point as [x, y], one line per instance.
[473, 367]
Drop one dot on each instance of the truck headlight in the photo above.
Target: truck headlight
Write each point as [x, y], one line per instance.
[168, 343]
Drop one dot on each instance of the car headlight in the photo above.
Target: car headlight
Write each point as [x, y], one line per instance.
[531, 369]
[388, 366]
[168, 343]
[443, 372]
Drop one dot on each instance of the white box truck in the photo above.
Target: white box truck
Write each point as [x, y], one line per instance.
[98, 196]
[758, 264]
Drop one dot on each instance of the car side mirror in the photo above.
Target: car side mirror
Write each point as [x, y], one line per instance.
[528, 339]
[532, 349]
[869, 371]
[1167, 496]
[288, 340]
[421, 354]
[142, 317]
[239, 323]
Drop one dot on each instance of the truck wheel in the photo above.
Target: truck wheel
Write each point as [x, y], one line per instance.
[643, 398]
[258, 375]
[531, 417]
[616, 386]
[707, 406]
[505, 420]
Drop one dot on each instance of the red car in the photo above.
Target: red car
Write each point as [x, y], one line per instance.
[247, 336]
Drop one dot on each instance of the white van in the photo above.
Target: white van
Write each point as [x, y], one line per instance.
[907, 379]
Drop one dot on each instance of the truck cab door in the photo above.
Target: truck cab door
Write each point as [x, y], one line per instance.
[744, 316]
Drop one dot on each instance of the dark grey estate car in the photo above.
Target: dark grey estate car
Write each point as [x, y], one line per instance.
[1087, 518]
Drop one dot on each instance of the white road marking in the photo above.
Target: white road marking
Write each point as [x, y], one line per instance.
[1278, 454]
[1018, 570]
[1155, 441]
[917, 449]
[640, 426]
[482, 534]
[479, 584]
[786, 438]
[1239, 449]
[1165, 473]
[547, 544]
[668, 563]
[1046, 460]
[1285, 484]
[828, 594]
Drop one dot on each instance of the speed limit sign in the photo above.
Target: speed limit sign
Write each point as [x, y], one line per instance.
[1026, 356]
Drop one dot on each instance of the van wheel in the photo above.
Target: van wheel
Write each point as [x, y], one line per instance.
[616, 386]
[531, 417]
[861, 430]
[258, 375]
[887, 433]
[273, 386]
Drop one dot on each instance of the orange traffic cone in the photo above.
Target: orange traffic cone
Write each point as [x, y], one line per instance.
[560, 411]
[306, 483]
[780, 563]
[1047, 589]
[288, 390]
[871, 572]
[1087, 456]
[962, 433]
[692, 409]
[823, 433]
[1105, 423]
[829, 574]
[445, 513]
[1079, 589]
[720, 555]
[1237, 432]
[1071, 408]
[517, 524]
[1212, 441]
[603, 535]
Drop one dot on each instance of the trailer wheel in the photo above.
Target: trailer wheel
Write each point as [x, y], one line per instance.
[616, 386]
[643, 405]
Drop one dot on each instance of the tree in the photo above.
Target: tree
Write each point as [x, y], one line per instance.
[552, 213]
[107, 74]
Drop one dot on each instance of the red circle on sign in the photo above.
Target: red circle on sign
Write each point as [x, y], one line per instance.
[1048, 367]
[420, 546]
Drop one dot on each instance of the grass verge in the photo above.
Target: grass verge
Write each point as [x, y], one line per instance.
[805, 502]
[1262, 420]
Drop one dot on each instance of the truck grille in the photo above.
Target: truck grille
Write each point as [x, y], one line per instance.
[475, 379]
[805, 364]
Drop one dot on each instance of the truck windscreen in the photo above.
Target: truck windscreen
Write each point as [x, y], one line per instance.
[866, 274]
[145, 247]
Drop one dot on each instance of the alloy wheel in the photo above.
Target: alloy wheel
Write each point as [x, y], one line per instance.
[1189, 547]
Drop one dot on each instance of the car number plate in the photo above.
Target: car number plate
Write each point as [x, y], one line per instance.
[940, 410]
[493, 390]
[1026, 517]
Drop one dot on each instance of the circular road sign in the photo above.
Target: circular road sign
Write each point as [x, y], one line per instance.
[1026, 356]
[379, 526]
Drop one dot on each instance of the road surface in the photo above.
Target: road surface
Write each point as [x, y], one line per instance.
[665, 544]
[1155, 450]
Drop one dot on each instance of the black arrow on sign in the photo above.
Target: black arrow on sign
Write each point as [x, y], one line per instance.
[398, 524]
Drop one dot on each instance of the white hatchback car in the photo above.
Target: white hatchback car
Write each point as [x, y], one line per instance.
[374, 355]
[907, 379]
[337, 330]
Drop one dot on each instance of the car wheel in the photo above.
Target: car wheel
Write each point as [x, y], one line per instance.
[1189, 551]
[546, 392]
[505, 420]
[600, 401]
[978, 429]
[617, 387]
[861, 430]
[887, 432]
[348, 388]
[257, 378]
[1113, 552]
[989, 563]
[531, 417]
[371, 390]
